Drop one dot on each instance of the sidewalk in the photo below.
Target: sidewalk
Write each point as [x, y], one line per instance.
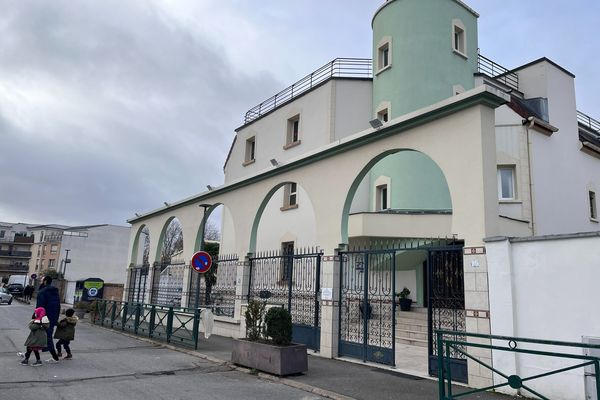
[343, 380]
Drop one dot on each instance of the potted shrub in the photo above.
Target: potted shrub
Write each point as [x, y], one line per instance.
[268, 344]
[403, 300]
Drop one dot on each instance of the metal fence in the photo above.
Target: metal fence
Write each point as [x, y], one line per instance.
[498, 72]
[220, 293]
[338, 68]
[171, 324]
[469, 344]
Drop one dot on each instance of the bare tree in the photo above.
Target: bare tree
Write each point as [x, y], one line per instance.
[172, 242]
[146, 253]
[211, 231]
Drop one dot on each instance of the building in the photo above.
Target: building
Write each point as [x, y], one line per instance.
[370, 176]
[91, 251]
[15, 249]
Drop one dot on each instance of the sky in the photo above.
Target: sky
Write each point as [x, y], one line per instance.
[110, 108]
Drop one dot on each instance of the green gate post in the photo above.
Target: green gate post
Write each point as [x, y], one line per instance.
[449, 371]
[113, 314]
[196, 328]
[124, 316]
[169, 324]
[103, 313]
[152, 320]
[440, 362]
[136, 324]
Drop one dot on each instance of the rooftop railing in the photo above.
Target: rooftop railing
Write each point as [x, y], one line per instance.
[589, 122]
[498, 72]
[338, 68]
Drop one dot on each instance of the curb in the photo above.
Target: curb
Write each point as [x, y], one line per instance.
[261, 375]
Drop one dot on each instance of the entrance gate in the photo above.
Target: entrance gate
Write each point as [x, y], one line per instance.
[292, 280]
[367, 318]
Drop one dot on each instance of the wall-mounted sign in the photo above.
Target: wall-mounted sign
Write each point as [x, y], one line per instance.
[326, 293]
[90, 289]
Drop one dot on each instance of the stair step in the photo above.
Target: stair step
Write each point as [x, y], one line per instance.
[412, 342]
[411, 315]
[411, 327]
[406, 334]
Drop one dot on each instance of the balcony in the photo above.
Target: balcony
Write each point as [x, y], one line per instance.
[338, 68]
[14, 268]
[15, 254]
[498, 72]
[408, 224]
[18, 240]
[589, 122]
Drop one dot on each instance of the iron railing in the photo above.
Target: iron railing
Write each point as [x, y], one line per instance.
[171, 324]
[338, 68]
[468, 344]
[589, 122]
[15, 253]
[498, 72]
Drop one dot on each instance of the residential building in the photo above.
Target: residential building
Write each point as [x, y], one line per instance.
[15, 249]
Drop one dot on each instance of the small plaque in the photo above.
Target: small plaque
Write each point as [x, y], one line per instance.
[326, 294]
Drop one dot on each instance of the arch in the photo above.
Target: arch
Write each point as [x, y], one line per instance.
[363, 173]
[269, 204]
[198, 244]
[136, 242]
[161, 239]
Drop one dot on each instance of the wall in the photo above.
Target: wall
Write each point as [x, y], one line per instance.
[544, 288]
[560, 188]
[103, 254]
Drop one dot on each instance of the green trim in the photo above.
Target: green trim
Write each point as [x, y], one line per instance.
[484, 98]
[258, 216]
[134, 251]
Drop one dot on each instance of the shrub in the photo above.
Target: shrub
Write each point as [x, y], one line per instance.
[254, 319]
[278, 323]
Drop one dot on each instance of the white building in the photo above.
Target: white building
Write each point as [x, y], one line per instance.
[418, 159]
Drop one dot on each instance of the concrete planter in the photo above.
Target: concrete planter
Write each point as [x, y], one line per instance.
[277, 360]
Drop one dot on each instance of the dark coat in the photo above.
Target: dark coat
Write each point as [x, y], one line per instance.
[38, 337]
[65, 329]
[48, 298]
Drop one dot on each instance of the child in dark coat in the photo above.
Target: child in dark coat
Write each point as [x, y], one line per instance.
[65, 332]
[37, 338]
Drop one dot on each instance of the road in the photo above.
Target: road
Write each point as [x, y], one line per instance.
[108, 365]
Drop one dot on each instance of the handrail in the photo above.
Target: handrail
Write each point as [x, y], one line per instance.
[589, 122]
[338, 68]
[497, 71]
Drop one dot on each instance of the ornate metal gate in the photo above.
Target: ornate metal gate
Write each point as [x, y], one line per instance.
[136, 288]
[220, 293]
[292, 280]
[367, 309]
[447, 306]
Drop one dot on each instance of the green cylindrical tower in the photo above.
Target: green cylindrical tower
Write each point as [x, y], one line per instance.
[424, 51]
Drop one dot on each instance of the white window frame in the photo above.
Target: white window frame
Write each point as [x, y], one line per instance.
[384, 53]
[383, 115]
[512, 169]
[292, 137]
[250, 154]
[459, 38]
[382, 182]
[290, 196]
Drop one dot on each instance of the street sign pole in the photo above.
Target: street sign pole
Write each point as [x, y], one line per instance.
[201, 263]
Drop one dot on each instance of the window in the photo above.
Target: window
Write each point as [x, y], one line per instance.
[593, 209]
[53, 249]
[290, 196]
[459, 44]
[293, 132]
[384, 54]
[37, 264]
[44, 250]
[287, 260]
[51, 263]
[383, 115]
[506, 183]
[2, 233]
[42, 237]
[381, 198]
[250, 150]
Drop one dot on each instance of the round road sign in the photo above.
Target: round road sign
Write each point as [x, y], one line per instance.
[34, 276]
[201, 262]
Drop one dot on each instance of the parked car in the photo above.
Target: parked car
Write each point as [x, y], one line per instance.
[16, 289]
[5, 297]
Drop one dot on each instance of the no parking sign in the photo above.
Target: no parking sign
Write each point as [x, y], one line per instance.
[201, 262]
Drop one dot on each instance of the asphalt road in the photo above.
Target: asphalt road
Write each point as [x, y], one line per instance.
[108, 365]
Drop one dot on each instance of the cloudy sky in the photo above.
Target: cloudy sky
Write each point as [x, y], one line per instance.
[111, 107]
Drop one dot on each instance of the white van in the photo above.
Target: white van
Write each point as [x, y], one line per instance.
[16, 284]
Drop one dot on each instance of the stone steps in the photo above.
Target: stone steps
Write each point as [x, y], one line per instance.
[411, 327]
